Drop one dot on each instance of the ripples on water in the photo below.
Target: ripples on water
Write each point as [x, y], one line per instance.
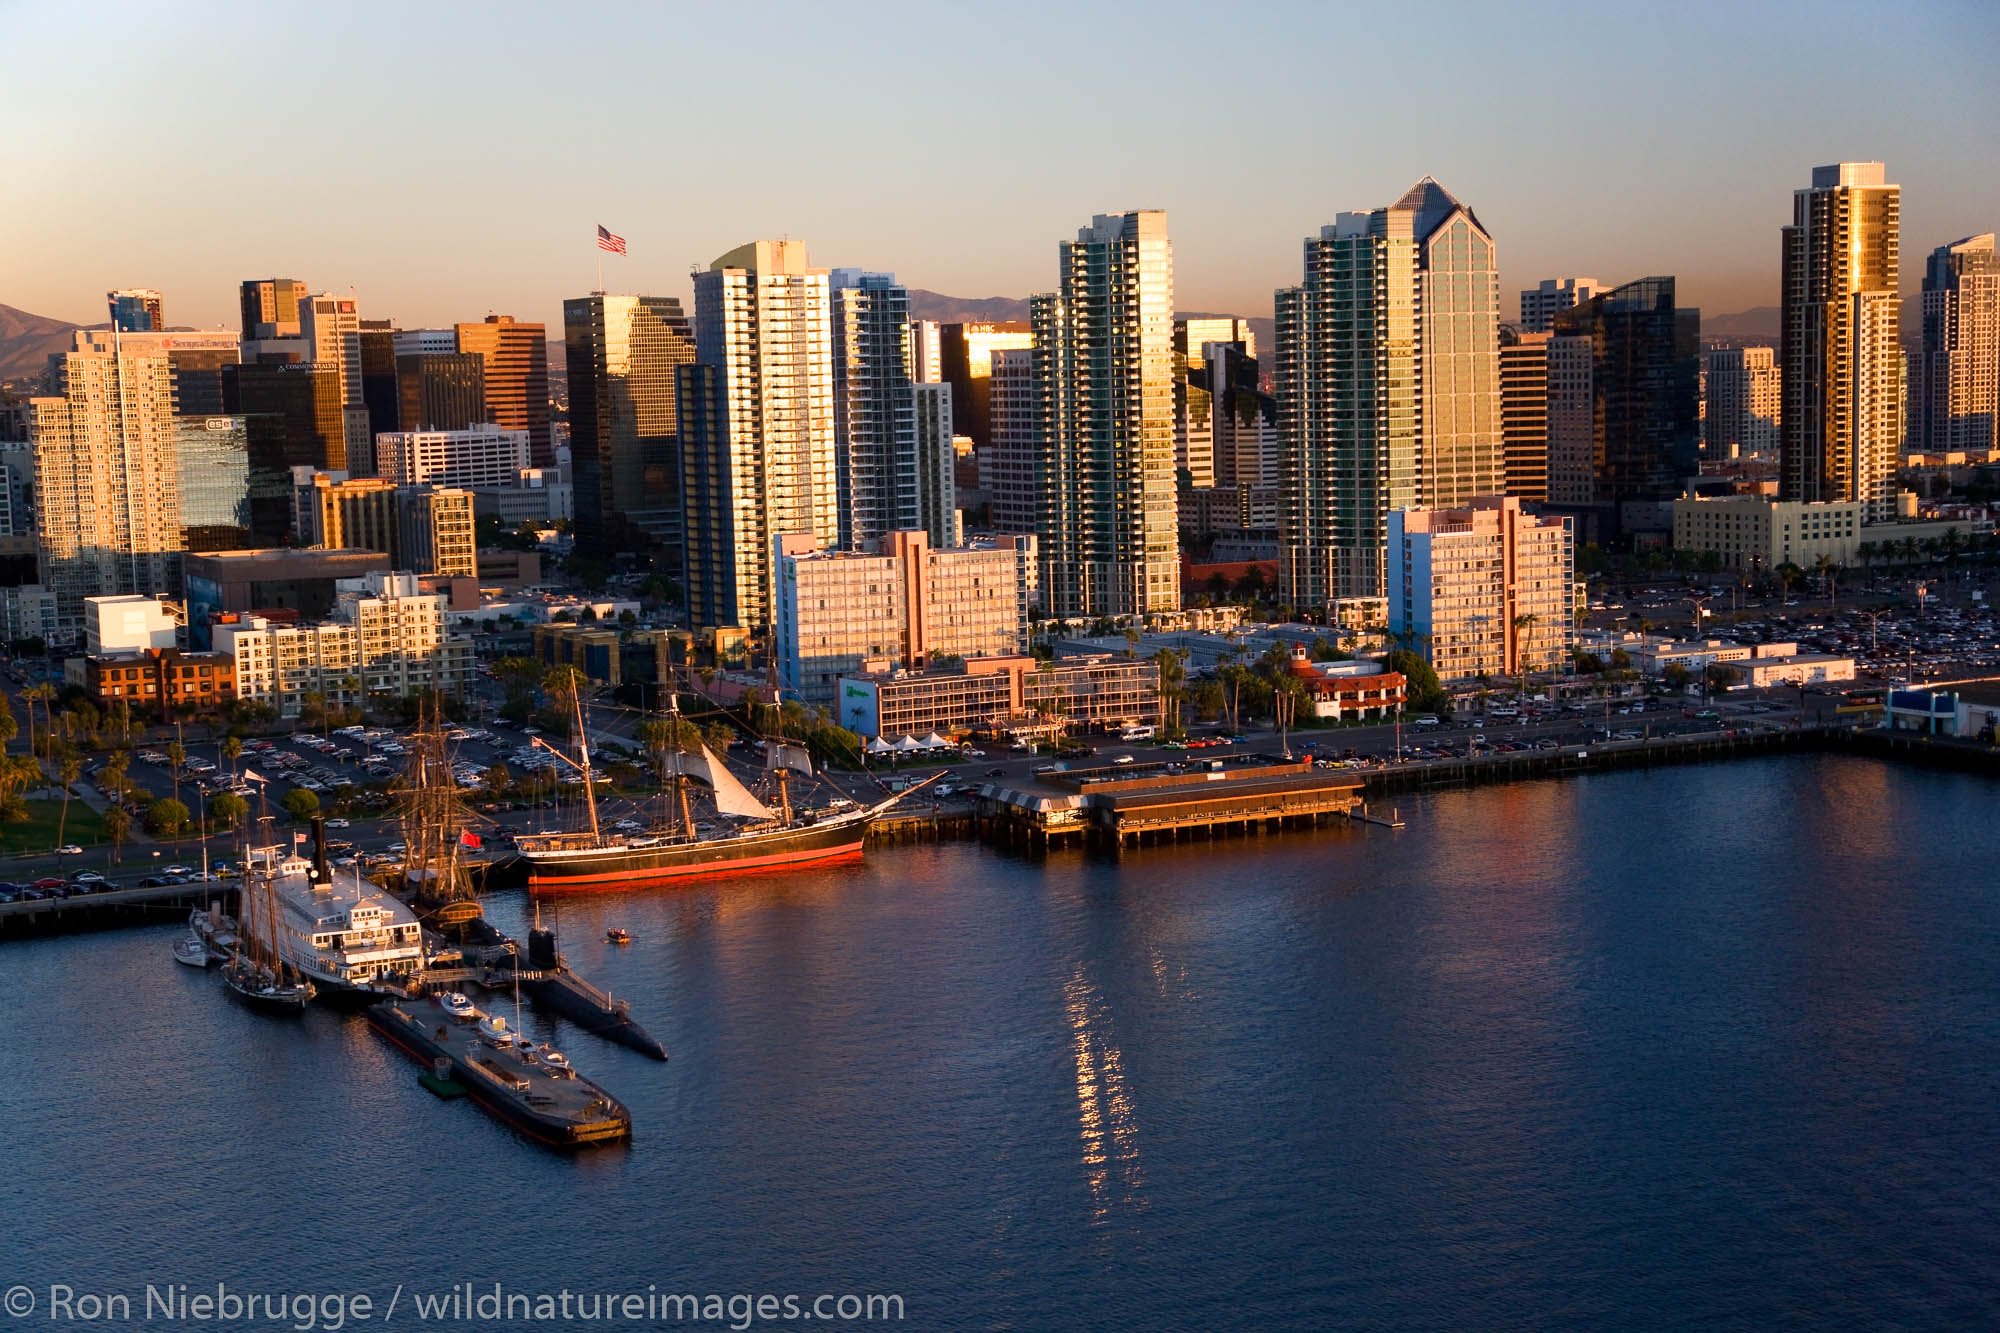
[1694, 1047]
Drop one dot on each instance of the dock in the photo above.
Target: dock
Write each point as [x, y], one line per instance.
[1127, 806]
[111, 909]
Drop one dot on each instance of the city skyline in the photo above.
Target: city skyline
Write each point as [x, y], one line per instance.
[1604, 185]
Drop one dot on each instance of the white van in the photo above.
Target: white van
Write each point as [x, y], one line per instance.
[1138, 733]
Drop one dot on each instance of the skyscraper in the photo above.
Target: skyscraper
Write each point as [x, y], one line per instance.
[926, 351]
[212, 454]
[624, 431]
[292, 418]
[437, 391]
[1007, 462]
[965, 362]
[516, 358]
[107, 475]
[1104, 390]
[331, 328]
[1959, 385]
[1540, 304]
[936, 466]
[757, 427]
[378, 376]
[136, 310]
[271, 308]
[1840, 358]
[1740, 402]
[1388, 386]
[1524, 412]
[874, 407]
[1645, 395]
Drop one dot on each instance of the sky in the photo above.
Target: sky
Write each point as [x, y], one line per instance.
[446, 161]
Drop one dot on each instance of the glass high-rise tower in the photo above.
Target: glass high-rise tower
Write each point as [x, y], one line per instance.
[622, 352]
[1104, 399]
[1839, 353]
[1387, 377]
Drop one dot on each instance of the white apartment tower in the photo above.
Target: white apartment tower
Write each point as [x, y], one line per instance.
[1741, 402]
[1542, 303]
[107, 476]
[757, 427]
[1959, 385]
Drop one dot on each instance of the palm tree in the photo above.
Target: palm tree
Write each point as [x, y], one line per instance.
[232, 748]
[117, 823]
[71, 770]
[1523, 622]
[44, 693]
[176, 756]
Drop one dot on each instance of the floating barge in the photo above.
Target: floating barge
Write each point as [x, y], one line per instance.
[1128, 805]
[531, 1088]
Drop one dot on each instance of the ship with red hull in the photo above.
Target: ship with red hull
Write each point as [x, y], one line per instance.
[761, 839]
[578, 863]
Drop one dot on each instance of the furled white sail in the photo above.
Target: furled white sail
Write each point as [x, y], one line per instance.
[794, 757]
[731, 796]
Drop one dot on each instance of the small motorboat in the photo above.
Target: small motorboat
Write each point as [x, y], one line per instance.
[618, 935]
[460, 1008]
[557, 1062]
[494, 1028]
[193, 951]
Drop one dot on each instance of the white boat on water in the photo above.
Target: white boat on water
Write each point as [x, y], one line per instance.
[342, 932]
[193, 950]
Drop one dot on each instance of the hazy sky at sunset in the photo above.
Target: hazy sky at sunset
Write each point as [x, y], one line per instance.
[444, 161]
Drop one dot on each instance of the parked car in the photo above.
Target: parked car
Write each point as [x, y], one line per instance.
[69, 849]
[336, 823]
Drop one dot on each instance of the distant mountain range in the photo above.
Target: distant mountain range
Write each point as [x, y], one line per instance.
[1761, 322]
[26, 342]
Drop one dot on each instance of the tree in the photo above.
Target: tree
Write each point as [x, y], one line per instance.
[71, 770]
[44, 694]
[9, 728]
[1523, 622]
[167, 817]
[1425, 693]
[227, 809]
[176, 756]
[1676, 676]
[1721, 676]
[232, 750]
[301, 804]
[117, 823]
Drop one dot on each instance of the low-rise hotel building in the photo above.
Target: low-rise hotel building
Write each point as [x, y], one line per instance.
[1002, 694]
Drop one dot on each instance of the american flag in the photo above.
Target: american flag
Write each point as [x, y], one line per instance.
[606, 241]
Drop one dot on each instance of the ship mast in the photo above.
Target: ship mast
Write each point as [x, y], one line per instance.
[583, 753]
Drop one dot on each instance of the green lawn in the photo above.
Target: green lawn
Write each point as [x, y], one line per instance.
[38, 832]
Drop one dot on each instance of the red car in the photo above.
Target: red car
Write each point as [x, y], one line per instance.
[50, 883]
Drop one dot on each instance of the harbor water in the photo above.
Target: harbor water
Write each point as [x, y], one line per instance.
[1696, 1047]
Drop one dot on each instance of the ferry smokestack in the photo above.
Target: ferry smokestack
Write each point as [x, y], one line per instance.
[319, 849]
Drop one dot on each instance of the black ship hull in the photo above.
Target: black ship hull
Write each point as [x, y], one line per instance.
[612, 869]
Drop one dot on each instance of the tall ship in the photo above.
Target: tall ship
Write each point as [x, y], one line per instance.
[352, 940]
[758, 837]
[258, 972]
